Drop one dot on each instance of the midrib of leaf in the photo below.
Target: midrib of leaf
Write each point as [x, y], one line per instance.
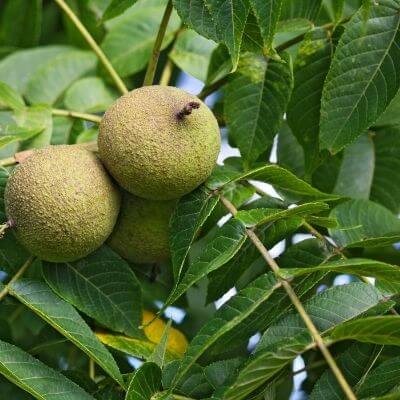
[235, 46]
[20, 383]
[49, 320]
[252, 136]
[55, 325]
[222, 258]
[203, 207]
[101, 293]
[227, 327]
[362, 95]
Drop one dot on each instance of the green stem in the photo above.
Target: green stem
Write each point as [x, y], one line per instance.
[74, 114]
[95, 47]
[20, 272]
[167, 73]
[300, 37]
[209, 89]
[338, 251]
[92, 369]
[7, 162]
[151, 69]
[298, 305]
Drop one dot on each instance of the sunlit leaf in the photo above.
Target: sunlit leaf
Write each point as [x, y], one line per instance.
[102, 286]
[10, 98]
[255, 101]
[218, 252]
[189, 215]
[36, 378]
[357, 89]
[145, 382]
[130, 39]
[89, 95]
[289, 337]
[363, 223]
[65, 319]
[192, 53]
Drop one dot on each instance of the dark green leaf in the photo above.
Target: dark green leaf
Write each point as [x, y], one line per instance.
[220, 65]
[363, 223]
[194, 384]
[101, 285]
[354, 266]
[220, 372]
[20, 22]
[357, 169]
[277, 306]
[387, 168]
[379, 330]
[12, 254]
[224, 278]
[145, 382]
[261, 216]
[332, 10]
[272, 174]
[310, 70]
[267, 13]
[237, 310]
[197, 15]
[357, 89]
[303, 254]
[354, 363]
[223, 21]
[300, 9]
[117, 7]
[65, 319]
[218, 252]
[282, 342]
[36, 378]
[390, 396]
[289, 152]
[11, 391]
[190, 214]
[230, 18]
[381, 379]
[255, 101]
[391, 116]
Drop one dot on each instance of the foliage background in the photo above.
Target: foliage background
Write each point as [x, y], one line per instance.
[305, 92]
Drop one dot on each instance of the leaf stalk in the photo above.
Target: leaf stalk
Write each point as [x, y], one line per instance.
[298, 305]
[74, 114]
[152, 67]
[19, 273]
[94, 46]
